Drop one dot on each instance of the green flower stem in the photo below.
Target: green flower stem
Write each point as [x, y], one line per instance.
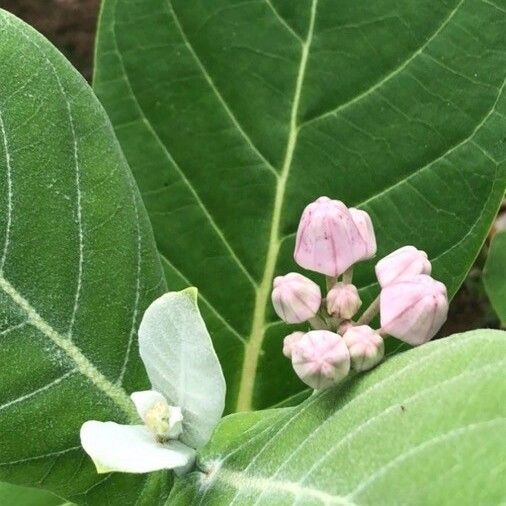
[370, 312]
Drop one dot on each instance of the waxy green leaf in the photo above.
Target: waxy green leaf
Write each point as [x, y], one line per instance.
[426, 427]
[78, 266]
[235, 115]
[494, 275]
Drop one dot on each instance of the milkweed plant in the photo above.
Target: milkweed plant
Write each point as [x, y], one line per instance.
[226, 266]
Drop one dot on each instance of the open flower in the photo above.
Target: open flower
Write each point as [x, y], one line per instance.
[184, 405]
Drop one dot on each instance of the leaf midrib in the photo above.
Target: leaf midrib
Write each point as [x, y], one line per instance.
[82, 363]
[254, 346]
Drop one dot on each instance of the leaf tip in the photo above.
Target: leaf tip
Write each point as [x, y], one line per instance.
[192, 292]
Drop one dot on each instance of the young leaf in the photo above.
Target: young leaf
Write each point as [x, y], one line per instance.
[78, 267]
[235, 115]
[181, 363]
[494, 275]
[425, 427]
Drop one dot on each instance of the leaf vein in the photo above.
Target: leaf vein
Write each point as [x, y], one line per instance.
[179, 170]
[83, 365]
[45, 388]
[389, 76]
[204, 300]
[213, 87]
[426, 444]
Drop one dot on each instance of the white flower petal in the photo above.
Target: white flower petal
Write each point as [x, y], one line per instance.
[131, 449]
[175, 421]
[178, 353]
[145, 400]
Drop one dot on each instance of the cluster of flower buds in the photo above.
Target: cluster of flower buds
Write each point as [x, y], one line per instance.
[331, 238]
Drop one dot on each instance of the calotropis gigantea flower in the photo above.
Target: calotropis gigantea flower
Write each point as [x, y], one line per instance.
[321, 359]
[328, 239]
[186, 401]
[295, 298]
[413, 310]
[402, 264]
[366, 347]
[364, 224]
[343, 301]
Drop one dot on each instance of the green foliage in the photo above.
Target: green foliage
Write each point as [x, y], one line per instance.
[425, 427]
[494, 275]
[234, 115]
[78, 266]
[12, 495]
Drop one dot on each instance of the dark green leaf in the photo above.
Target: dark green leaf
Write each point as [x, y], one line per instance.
[235, 114]
[12, 495]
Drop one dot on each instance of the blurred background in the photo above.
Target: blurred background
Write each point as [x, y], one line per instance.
[71, 24]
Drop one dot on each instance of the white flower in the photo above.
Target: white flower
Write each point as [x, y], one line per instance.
[177, 352]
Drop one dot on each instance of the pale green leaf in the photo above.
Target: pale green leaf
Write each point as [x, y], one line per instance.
[178, 354]
[78, 266]
[494, 275]
[426, 427]
[235, 114]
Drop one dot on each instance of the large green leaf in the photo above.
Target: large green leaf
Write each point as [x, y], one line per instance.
[494, 275]
[78, 266]
[426, 427]
[13, 495]
[235, 114]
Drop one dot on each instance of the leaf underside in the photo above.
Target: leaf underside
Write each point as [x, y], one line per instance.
[426, 427]
[78, 266]
[235, 114]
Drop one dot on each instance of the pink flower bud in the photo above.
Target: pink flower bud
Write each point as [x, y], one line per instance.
[366, 347]
[402, 264]
[343, 301]
[321, 359]
[365, 227]
[413, 310]
[295, 298]
[290, 341]
[328, 240]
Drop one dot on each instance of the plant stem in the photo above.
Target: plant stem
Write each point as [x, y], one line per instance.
[370, 312]
[348, 276]
[317, 323]
[331, 281]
